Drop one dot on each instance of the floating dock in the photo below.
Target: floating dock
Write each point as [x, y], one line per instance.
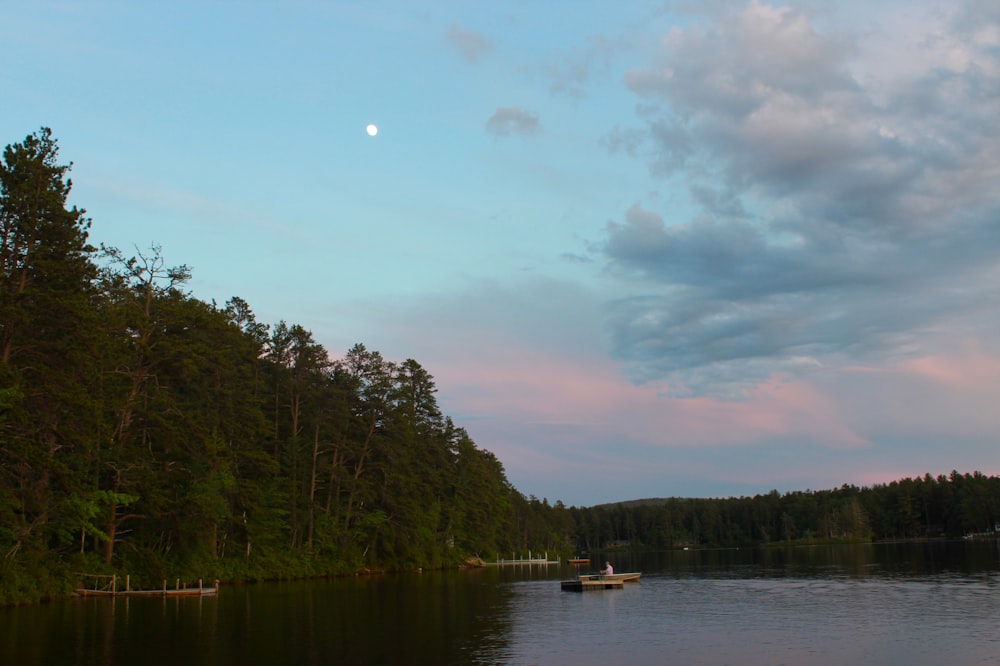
[595, 582]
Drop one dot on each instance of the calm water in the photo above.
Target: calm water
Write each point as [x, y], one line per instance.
[885, 604]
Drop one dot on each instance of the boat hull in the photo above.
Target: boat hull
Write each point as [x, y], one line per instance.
[629, 577]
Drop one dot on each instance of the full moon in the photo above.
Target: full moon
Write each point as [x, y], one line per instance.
[372, 130]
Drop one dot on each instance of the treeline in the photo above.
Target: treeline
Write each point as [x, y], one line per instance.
[952, 506]
[146, 432]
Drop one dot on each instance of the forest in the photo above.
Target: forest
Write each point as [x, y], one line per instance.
[146, 432]
[944, 507]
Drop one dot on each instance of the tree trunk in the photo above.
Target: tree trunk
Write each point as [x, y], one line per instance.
[111, 529]
[312, 486]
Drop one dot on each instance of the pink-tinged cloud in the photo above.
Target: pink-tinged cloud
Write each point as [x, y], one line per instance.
[554, 419]
[952, 395]
[535, 388]
[966, 368]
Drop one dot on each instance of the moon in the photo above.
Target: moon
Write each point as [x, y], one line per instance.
[372, 130]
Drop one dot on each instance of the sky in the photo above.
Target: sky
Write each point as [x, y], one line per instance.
[645, 249]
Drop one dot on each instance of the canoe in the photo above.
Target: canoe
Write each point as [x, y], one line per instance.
[630, 577]
[600, 581]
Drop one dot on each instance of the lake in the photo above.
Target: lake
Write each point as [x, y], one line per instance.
[926, 603]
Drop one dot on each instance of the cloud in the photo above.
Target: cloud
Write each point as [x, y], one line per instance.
[509, 120]
[848, 206]
[521, 365]
[472, 45]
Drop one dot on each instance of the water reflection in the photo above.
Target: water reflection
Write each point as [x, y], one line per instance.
[866, 604]
[425, 618]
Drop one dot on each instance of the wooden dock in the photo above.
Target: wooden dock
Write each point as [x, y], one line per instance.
[595, 582]
[108, 586]
[522, 561]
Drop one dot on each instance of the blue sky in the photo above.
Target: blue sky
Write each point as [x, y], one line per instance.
[645, 249]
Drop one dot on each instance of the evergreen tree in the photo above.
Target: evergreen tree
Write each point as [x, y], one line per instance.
[47, 346]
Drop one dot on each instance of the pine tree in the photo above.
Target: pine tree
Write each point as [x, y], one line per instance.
[48, 342]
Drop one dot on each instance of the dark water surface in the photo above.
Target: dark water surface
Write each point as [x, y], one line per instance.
[869, 604]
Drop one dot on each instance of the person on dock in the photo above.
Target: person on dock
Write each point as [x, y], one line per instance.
[608, 569]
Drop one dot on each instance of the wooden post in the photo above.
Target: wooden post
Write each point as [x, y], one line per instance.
[164, 587]
[128, 582]
[199, 585]
[114, 584]
[177, 583]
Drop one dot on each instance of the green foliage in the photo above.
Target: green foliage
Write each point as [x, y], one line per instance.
[9, 398]
[26, 580]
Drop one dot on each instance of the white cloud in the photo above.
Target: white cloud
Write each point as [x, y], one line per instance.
[844, 216]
